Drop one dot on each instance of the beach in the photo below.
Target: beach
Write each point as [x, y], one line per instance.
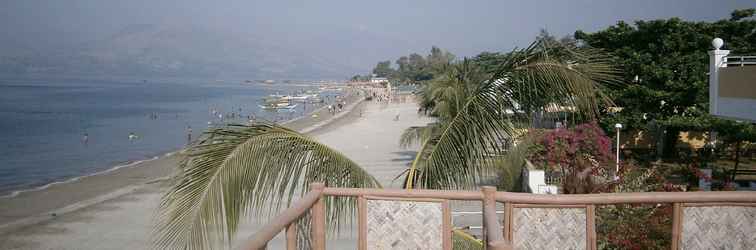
[115, 210]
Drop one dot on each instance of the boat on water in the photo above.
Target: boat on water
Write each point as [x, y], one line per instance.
[300, 98]
[277, 106]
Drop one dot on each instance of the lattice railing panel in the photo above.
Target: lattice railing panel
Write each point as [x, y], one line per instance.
[393, 224]
[549, 228]
[719, 227]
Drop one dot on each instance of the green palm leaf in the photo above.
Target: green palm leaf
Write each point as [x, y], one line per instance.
[527, 80]
[240, 170]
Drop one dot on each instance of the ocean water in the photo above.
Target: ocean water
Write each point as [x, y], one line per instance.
[43, 123]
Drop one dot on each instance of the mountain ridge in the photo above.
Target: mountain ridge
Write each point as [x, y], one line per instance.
[146, 50]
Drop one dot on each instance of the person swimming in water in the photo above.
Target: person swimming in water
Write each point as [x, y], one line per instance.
[85, 139]
[132, 136]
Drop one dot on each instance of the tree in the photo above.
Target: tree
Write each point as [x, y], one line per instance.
[664, 66]
[359, 78]
[383, 69]
[579, 154]
[416, 69]
[240, 170]
[403, 73]
[438, 60]
[737, 15]
[237, 170]
[471, 111]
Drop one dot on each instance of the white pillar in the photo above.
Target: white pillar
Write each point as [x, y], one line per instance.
[616, 171]
[716, 60]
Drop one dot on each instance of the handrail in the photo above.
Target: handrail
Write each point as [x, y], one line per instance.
[739, 60]
[288, 216]
[628, 198]
[404, 193]
[745, 57]
[563, 199]
[489, 197]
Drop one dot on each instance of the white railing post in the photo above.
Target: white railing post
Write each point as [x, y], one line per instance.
[716, 60]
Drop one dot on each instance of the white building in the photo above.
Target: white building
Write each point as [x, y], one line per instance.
[379, 80]
[732, 84]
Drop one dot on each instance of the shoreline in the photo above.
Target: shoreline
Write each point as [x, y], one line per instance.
[134, 163]
[122, 179]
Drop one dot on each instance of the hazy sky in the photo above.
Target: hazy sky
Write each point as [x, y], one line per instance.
[464, 27]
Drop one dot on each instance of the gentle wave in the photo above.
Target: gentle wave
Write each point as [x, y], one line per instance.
[77, 178]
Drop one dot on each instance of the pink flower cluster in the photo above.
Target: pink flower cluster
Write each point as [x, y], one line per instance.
[578, 148]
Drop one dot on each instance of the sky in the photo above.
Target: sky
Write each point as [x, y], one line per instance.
[463, 27]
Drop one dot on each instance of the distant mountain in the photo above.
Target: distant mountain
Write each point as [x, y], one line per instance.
[163, 51]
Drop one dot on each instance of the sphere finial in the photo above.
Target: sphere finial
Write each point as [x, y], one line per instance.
[717, 43]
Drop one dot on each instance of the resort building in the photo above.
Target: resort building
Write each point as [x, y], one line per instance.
[379, 79]
[732, 84]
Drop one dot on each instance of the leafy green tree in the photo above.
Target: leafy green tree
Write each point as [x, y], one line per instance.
[360, 78]
[418, 69]
[438, 60]
[664, 64]
[383, 69]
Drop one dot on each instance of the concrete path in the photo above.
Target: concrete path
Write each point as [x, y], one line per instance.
[373, 139]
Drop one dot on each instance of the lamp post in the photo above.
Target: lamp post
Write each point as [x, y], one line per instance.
[617, 127]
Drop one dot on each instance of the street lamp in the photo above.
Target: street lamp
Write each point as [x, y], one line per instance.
[617, 127]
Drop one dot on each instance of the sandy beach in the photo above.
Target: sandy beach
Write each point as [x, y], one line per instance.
[115, 210]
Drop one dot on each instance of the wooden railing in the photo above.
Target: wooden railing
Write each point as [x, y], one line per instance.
[494, 237]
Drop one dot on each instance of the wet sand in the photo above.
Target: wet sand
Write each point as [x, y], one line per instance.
[115, 210]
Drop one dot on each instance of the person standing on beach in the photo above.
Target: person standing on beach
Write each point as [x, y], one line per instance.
[188, 135]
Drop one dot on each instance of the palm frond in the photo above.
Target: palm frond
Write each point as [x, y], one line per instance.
[527, 81]
[248, 169]
[417, 135]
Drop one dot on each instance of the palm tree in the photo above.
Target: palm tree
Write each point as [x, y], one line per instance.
[237, 170]
[471, 106]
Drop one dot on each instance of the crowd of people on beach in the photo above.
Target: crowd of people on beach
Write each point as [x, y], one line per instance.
[335, 104]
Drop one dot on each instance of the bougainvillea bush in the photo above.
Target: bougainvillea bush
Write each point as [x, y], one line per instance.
[637, 226]
[582, 154]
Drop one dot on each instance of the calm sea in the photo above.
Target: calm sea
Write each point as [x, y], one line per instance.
[43, 123]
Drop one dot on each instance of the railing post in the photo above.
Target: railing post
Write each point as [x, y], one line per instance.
[590, 226]
[676, 225]
[362, 223]
[291, 236]
[508, 221]
[317, 213]
[493, 235]
[717, 59]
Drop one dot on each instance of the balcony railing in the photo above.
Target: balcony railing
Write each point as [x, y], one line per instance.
[695, 216]
[735, 61]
